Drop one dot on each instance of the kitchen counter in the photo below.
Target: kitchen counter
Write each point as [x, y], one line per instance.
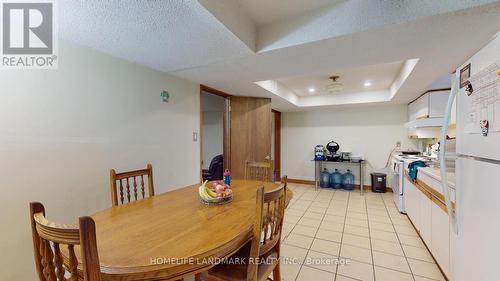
[431, 177]
[435, 173]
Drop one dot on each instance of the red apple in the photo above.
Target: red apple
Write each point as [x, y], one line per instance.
[220, 188]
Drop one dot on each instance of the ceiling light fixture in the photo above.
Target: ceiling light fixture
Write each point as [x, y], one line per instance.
[335, 86]
[312, 90]
[367, 84]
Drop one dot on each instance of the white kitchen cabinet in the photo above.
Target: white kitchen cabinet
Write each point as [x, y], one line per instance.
[437, 103]
[430, 105]
[412, 111]
[426, 114]
[440, 246]
[422, 104]
[425, 217]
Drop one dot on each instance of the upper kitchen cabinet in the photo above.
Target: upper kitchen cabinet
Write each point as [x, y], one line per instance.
[432, 104]
[426, 114]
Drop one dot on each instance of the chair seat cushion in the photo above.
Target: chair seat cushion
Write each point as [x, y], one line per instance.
[235, 269]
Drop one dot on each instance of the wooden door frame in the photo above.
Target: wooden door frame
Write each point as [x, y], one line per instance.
[277, 144]
[226, 150]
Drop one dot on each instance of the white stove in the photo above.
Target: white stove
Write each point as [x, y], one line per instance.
[410, 158]
[399, 165]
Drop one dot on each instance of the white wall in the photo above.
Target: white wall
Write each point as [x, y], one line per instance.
[370, 130]
[62, 130]
[213, 136]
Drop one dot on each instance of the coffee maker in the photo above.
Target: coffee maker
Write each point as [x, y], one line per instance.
[332, 148]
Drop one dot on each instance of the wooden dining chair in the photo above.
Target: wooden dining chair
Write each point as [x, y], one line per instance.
[125, 185]
[49, 237]
[262, 171]
[265, 243]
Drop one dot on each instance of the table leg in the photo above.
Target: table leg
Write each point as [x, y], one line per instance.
[361, 178]
[202, 276]
[316, 174]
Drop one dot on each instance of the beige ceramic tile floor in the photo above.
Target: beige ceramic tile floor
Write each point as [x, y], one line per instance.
[343, 236]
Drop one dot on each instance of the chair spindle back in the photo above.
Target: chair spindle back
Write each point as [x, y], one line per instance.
[268, 225]
[262, 171]
[124, 186]
[48, 240]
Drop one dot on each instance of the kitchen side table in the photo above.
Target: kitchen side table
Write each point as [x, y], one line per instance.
[319, 165]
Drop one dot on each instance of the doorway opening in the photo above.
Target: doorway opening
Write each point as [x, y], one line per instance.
[214, 133]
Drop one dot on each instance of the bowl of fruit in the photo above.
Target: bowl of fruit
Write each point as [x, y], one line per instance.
[215, 193]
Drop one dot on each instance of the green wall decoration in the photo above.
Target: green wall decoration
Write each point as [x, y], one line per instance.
[165, 95]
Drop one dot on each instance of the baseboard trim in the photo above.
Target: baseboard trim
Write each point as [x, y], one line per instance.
[427, 247]
[356, 186]
[300, 181]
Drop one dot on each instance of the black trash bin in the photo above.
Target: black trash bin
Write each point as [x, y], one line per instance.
[379, 181]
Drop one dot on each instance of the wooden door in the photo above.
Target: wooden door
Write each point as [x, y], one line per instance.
[250, 132]
[277, 143]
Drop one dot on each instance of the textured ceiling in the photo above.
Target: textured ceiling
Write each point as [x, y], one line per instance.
[224, 44]
[165, 35]
[270, 11]
[348, 17]
[441, 42]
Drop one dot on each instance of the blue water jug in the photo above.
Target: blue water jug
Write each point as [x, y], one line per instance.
[324, 178]
[348, 181]
[336, 179]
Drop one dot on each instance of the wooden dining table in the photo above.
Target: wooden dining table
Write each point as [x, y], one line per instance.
[172, 235]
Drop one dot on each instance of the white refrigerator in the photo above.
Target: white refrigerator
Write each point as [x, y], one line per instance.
[475, 234]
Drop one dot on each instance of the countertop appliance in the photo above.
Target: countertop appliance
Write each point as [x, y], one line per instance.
[399, 164]
[475, 227]
[410, 152]
[319, 153]
[356, 158]
[332, 148]
[346, 156]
